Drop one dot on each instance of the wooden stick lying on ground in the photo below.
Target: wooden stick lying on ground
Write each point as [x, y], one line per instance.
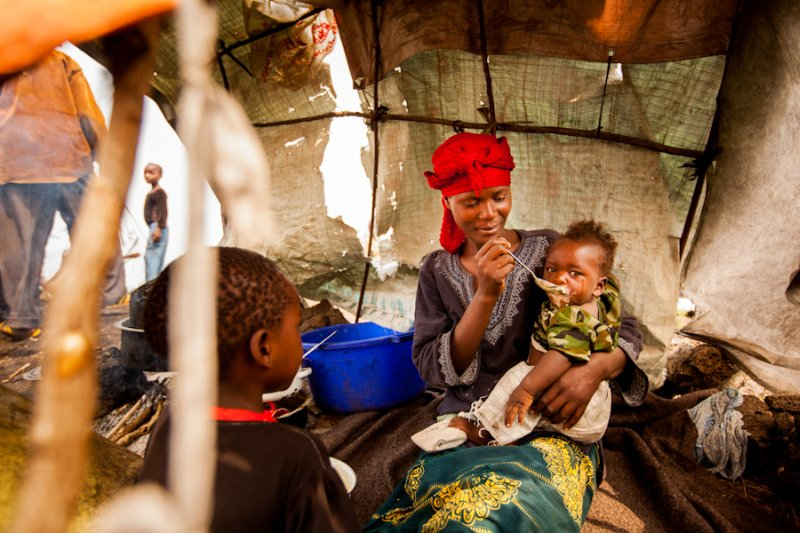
[16, 373]
[118, 427]
[127, 438]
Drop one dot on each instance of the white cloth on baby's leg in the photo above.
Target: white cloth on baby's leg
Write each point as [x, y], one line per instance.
[439, 436]
[593, 424]
[491, 412]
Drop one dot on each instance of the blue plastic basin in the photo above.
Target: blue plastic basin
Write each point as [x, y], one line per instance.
[362, 368]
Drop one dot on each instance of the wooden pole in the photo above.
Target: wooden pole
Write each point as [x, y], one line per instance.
[192, 314]
[376, 118]
[65, 401]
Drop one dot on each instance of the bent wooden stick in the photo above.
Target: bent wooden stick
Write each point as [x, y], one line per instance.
[65, 401]
[192, 317]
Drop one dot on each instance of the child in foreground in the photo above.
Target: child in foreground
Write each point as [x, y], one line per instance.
[565, 333]
[269, 476]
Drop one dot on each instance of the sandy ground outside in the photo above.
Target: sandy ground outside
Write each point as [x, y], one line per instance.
[19, 360]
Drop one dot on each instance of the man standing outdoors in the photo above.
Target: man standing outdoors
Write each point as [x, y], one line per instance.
[50, 127]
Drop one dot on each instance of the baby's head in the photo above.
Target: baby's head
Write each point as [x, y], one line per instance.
[581, 260]
[152, 173]
[258, 316]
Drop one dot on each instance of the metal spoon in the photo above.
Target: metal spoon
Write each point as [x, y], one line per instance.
[320, 343]
[546, 286]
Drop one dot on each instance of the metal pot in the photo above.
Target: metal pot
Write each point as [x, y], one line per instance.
[136, 351]
[297, 409]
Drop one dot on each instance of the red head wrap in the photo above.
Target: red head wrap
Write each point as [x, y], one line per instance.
[467, 162]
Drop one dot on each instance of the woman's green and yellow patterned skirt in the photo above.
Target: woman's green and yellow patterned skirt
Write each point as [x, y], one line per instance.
[544, 485]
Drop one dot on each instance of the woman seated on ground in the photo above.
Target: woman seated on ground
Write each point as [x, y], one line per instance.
[475, 311]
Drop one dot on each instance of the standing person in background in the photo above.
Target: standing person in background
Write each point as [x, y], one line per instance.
[50, 127]
[155, 216]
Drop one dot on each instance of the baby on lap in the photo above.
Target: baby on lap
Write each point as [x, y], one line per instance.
[569, 328]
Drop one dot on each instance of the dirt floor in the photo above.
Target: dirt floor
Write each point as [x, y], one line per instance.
[20, 361]
[691, 366]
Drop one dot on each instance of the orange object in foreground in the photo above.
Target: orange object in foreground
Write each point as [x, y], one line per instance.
[29, 30]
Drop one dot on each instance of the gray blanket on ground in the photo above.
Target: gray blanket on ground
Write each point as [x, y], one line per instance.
[652, 481]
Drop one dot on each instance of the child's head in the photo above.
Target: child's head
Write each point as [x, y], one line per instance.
[258, 316]
[581, 259]
[152, 173]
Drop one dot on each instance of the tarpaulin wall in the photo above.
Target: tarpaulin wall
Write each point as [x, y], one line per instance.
[559, 179]
[748, 243]
[548, 69]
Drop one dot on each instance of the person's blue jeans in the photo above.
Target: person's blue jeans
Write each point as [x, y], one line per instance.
[155, 252]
